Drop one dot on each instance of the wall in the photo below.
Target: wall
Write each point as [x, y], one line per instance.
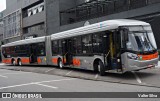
[34, 19]
[52, 16]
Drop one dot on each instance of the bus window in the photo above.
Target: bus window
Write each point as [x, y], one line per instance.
[87, 44]
[4, 52]
[17, 49]
[77, 45]
[74, 51]
[97, 43]
[20, 50]
[60, 47]
[55, 47]
[41, 49]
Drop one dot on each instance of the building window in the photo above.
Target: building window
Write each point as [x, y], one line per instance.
[34, 28]
[12, 24]
[29, 12]
[1, 23]
[41, 8]
[99, 8]
[41, 27]
[36, 9]
[25, 30]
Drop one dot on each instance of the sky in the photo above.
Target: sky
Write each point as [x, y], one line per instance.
[2, 5]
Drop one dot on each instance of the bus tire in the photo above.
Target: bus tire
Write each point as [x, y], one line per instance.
[60, 64]
[13, 62]
[19, 62]
[101, 68]
[95, 65]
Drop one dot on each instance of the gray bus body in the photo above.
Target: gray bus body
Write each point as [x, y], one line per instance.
[115, 45]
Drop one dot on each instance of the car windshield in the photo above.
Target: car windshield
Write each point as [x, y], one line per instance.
[141, 40]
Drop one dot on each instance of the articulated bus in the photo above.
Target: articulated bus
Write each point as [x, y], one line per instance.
[110, 46]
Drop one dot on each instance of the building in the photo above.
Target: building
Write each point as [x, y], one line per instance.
[23, 19]
[36, 18]
[1, 31]
[1, 28]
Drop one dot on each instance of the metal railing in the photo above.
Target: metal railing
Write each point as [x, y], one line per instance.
[98, 8]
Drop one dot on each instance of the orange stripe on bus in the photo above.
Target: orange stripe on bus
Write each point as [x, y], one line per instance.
[149, 57]
[3, 61]
[55, 60]
[25, 60]
[39, 60]
[76, 62]
[8, 61]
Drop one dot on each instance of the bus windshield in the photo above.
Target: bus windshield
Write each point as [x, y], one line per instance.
[141, 40]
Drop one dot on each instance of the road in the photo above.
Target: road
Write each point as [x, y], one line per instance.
[25, 81]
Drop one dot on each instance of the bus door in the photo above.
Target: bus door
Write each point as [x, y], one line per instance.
[33, 53]
[106, 50]
[111, 49]
[114, 57]
[67, 52]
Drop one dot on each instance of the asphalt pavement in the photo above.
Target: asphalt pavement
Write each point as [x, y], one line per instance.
[49, 79]
[147, 77]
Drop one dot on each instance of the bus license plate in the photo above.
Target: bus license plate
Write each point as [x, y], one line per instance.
[150, 66]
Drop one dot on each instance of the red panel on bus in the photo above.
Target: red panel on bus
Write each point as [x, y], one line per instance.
[76, 62]
[55, 60]
[8, 61]
[149, 57]
[25, 60]
[39, 60]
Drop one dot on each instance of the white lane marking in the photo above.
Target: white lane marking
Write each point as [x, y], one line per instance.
[49, 70]
[69, 73]
[47, 86]
[15, 73]
[3, 76]
[96, 76]
[55, 80]
[16, 86]
[34, 83]
[137, 78]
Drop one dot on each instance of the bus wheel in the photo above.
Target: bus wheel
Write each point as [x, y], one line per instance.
[101, 68]
[60, 64]
[13, 62]
[19, 62]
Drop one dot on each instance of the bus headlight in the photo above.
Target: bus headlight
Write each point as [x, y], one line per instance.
[132, 56]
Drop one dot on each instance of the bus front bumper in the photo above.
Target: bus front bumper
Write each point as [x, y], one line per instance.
[135, 65]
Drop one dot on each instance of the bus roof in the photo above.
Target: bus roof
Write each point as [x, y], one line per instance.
[101, 26]
[26, 41]
[97, 27]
